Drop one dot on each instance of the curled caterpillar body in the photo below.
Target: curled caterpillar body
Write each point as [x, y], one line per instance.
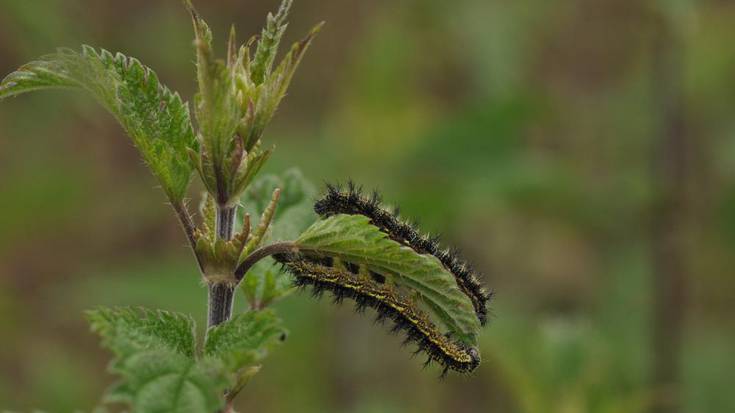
[388, 303]
[352, 202]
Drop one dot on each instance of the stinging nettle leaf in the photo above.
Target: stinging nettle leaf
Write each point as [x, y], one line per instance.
[128, 330]
[155, 118]
[266, 282]
[160, 381]
[156, 360]
[218, 114]
[270, 38]
[273, 89]
[245, 339]
[283, 74]
[353, 239]
[295, 210]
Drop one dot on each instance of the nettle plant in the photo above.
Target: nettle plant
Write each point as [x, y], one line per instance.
[260, 236]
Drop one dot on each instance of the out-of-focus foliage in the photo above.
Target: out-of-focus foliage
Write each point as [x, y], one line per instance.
[523, 131]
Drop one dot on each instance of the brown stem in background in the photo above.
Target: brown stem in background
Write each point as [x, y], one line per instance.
[668, 218]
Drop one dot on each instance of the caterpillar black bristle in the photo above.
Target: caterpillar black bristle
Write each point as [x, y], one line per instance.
[380, 318]
[351, 201]
[337, 299]
[388, 304]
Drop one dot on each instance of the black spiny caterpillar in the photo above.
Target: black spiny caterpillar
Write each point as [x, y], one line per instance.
[325, 275]
[352, 201]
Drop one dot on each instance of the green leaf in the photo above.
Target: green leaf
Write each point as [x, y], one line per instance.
[254, 162]
[156, 119]
[270, 38]
[155, 358]
[245, 339]
[128, 330]
[161, 381]
[295, 210]
[271, 91]
[218, 110]
[353, 239]
[265, 283]
[279, 81]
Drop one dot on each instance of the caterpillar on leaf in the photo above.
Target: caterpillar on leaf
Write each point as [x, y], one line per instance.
[349, 281]
[353, 257]
[353, 202]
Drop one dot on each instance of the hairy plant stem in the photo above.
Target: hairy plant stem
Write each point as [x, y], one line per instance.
[220, 303]
[221, 294]
[225, 222]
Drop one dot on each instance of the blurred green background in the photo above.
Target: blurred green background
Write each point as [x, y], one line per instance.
[581, 153]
